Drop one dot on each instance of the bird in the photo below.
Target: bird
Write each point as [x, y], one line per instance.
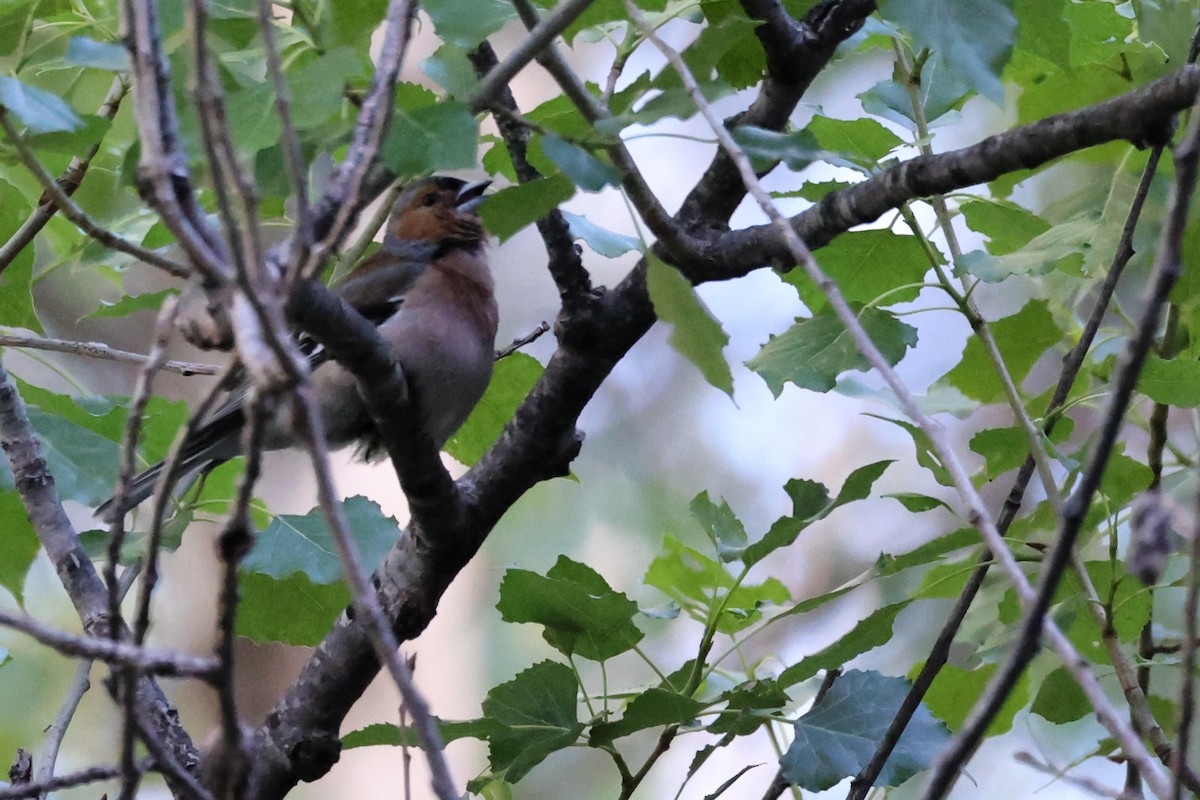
[429, 291]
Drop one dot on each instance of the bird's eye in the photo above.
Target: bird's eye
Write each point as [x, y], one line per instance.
[429, 200]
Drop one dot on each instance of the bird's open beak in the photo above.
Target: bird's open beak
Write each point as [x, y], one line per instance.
[471, 196]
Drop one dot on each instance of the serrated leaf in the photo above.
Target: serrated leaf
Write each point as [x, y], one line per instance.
[1022, 339]
[302, 544]
[581, 614]
[724, 529]
[653, 708]
[538, 711]
[1007, 226]
[509, 210]
[873, 631]
[695, 333]
[431, 138]
[290, 610]
[511, 381]
[866, 264]
[1175, 382]
[468, 22]
[765, 147]
[452, 70]
[1060, 700]
[82, 463]
[955, 691]
[972, 37]
[40, 111]
[815, 351]
[837, 738]
[863, 142]
[393, 735]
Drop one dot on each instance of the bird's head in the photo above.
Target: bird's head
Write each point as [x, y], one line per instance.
[439, 210]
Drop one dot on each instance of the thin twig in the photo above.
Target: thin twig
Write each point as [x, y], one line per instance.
[310, 426]
[69, 181]
[1087, 784]
[83, 777]
[79, 685]
[77, 215]
[102, 351]
[1187, 692]
[529, 338]
[977, 510]
[155, 660]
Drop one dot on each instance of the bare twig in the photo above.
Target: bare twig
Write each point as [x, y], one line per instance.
[529, 338]
[366, 600]
[1087, 784]
[102, 351]
[1187, 692]
[77, 215]
[83, 777]
[80, 683]
[69, 181]
[154, 660]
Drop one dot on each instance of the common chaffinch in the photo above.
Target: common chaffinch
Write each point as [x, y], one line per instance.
[429, 291]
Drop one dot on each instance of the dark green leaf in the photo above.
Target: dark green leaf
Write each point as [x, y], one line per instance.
[292, 609]
[538, 711]
[1008, 226]
[431, 138]
[863, 142]
[725, 530]
[395, 736]
[813, 352]
[695, 333]
[82, 463]
[452, 70]
[303, 544]
[150, 301]
[652, 708]
[581, 614]
[468, 22]
[1060, 700]
[509, 210]
[868, 634]
[837, 738]
[865, 264]
[765, 147]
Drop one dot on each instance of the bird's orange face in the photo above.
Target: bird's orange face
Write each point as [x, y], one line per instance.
[439, 210]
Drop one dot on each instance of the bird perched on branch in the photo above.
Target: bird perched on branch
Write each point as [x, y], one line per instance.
[430, 293]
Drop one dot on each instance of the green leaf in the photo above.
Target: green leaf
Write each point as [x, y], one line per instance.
[1175, 382]
[395, 736]
[40, 111]
[452, 70]
[749, 706]
[1007, 448]
[926, 457]
[863, 142]
[1061, 247]
[653, 708]
[766, 147]
[509, 210]
[837, 738]
[725, 530]
[955, 691]
[1008, 226]
[83, 464]
[603, 241]
[291, 610]
[129, 304]
[586, 170]
[511, 381]
[1060, 700]
[19, 544]
[1022, 339]
[431, 138]
[701, 584]
[538, 711]
[16, 293]
[865, 264]
[973, 38]
[695, 333]
[318, 87]
[873, 631]
[813, 352]
[581, 613]
[916, 503]
[303, 544]
[468, 22]
[85, 52]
